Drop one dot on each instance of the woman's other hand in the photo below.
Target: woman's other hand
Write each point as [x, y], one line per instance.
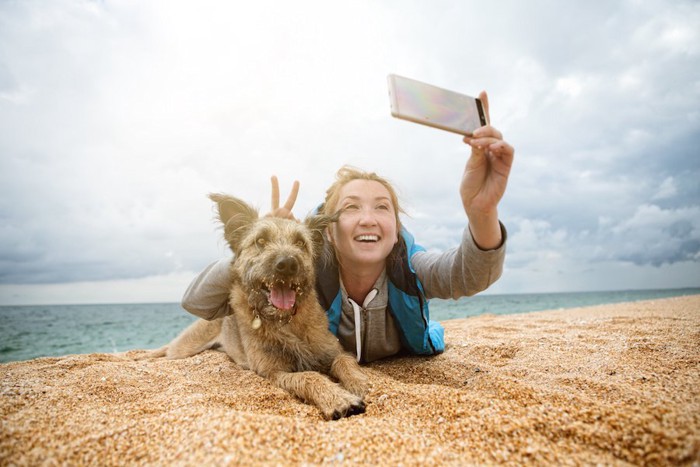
[484, 181]
[286, 210]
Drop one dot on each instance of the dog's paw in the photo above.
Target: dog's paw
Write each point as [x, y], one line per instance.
[350, 375]
[355, 409]
[151, 354]
[348, 406]
[357, 386]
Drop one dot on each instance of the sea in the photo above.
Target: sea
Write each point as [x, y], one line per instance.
[28, 332]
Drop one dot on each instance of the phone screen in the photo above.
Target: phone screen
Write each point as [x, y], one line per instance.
[433, 106]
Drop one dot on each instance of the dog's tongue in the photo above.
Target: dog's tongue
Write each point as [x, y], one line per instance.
[283, 297]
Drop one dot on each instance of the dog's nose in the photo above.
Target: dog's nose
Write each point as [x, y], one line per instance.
[287, 266]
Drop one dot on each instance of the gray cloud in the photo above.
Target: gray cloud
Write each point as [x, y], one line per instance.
[116, 120]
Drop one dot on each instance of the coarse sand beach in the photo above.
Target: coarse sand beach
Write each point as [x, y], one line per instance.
[614, 385]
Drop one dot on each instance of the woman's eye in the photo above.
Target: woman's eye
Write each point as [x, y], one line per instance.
[385, 207]
[351, 207]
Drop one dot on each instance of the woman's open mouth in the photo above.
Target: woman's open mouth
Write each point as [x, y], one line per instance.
[367, 238]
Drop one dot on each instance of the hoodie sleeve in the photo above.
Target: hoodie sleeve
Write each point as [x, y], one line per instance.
[461, 271]
[208, 294]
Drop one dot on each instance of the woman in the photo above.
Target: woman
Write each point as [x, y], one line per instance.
[375, 289]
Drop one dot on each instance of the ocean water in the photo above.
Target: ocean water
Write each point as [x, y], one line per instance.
[28, 332]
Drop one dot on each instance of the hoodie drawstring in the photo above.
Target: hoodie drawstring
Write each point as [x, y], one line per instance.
[358, 319]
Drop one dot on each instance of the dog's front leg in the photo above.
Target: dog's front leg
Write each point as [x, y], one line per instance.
[345, 369]
[333, 401]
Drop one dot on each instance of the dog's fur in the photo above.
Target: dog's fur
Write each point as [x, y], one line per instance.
[274, 262]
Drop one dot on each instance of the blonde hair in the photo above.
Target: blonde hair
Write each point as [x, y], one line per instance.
[347, 174]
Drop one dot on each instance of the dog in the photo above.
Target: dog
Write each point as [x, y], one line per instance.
[276, 327]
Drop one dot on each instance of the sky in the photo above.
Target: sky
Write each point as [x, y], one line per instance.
[118, 118]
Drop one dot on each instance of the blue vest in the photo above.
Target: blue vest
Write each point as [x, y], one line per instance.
[407, 302]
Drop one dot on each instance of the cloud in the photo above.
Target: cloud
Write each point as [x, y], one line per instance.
[650, 237]
[661, 236]
[151, 289]
[116, 120]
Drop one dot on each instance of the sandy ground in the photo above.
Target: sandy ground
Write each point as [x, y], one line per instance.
[616, 384]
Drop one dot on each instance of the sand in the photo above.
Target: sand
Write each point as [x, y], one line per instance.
[614, 384]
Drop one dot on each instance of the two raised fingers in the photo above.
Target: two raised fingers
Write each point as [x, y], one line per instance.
[286, 210]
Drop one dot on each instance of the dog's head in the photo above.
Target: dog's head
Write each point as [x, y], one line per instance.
[274, 257]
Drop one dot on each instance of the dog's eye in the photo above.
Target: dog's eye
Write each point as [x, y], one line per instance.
[300, 243]
[261, 241]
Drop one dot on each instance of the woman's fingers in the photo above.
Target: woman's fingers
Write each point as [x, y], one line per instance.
[292, 196]
[504, 152]
[286, 210]
[487, 131]
[484, 98]
[481, 135]
[483, 142]
[275, 193]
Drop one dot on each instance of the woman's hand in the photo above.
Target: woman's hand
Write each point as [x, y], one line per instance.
[484, 181]
[286, 210]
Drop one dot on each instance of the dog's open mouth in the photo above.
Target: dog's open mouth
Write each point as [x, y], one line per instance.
[281, 295]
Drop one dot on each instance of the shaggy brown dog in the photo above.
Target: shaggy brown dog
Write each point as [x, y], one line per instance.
[277, 327]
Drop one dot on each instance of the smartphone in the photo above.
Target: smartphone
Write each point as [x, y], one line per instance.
[435, 107]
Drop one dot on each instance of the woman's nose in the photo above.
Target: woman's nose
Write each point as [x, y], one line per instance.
[367, 217]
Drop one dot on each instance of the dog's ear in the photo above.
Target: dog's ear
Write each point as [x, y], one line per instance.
[236, 216]
[317, 224]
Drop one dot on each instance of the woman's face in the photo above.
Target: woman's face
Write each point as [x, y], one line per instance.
[366, 230]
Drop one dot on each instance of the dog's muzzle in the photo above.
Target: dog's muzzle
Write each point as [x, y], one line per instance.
[283, 290]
